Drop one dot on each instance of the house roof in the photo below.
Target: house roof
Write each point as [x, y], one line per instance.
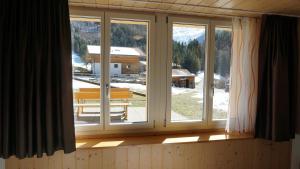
[181, 73]
[115, 50]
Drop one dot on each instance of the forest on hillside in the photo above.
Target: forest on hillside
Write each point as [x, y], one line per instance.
[191, 55]
[122, 35]
[186, 55]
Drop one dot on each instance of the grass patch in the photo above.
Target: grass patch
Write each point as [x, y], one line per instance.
[187, 105]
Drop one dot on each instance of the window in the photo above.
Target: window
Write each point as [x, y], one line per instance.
[128, 92]
[188, 70]
[138, 72]
[198, 73]
[222, 62]
[86, 35]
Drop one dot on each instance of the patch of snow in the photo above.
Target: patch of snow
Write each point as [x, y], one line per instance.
[186, 34]
[132, 86]
[76, 62]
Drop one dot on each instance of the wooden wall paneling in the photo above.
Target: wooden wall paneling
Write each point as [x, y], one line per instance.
[181, 1]
[27, 163]
[193, 2]
[89, 1]
[82, 159]
[208, 2]
[114, 2]
[233, 154]
[178, 156]
[220, 3]
[121, 158]
[156, 156]
[95, 159]
[165, 6]
[152, 5]
[145, 157]
[69, 161]
[262, 155]
[280, 155]
[167, 156]
[12, 163]
[55, 161]
[241, 154]
[108, 158]
[216, 155]
[232, 3]
[42, 162]
[193, 156]
[255, 5]
[76, 1]
[169, 1]
[133, 157]
[139, 4]
[102, 2]
[187, 8]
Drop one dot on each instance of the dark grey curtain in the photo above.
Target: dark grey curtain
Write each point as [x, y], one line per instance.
[278, 84]
[298, 112]
[36, 114]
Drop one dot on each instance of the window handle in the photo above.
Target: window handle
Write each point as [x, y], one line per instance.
[213, 89]
[107, 87]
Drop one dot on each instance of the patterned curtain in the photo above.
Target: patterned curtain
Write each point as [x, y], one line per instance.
[244, 72]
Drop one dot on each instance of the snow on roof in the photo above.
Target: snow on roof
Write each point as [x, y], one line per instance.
[93, 49]
[143, 62]
[181, 73]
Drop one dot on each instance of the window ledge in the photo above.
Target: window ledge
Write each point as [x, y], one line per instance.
[161, 139]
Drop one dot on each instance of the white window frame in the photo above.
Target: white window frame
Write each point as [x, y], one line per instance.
[159, 72]
[218, 123]
[194, 124]
[92, 14]
[150, 71]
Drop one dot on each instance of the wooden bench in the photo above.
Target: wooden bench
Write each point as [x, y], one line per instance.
[86, 94]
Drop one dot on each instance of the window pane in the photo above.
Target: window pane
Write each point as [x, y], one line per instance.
[128, 71]
[221, 72]
[188, 64]
[86, 70]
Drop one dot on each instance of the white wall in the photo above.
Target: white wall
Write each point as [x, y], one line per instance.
[296, 153]
[113, 71]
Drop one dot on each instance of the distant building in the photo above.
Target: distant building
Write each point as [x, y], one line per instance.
[125, 61]
[183, 78]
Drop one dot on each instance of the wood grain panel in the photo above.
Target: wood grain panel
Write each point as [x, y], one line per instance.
[82, 159]
[95, 159]
[69, 161]
[55, 161]
[232, 154]
[41, 162]
[226, 7]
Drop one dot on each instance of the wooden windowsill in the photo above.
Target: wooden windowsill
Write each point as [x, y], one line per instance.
[161, 139]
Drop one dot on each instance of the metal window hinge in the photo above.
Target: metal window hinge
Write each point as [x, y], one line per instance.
[167, 20]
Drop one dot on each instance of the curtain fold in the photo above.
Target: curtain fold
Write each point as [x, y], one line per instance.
[278, 78]
[298, 103]
[243, 75]
[36, 102]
